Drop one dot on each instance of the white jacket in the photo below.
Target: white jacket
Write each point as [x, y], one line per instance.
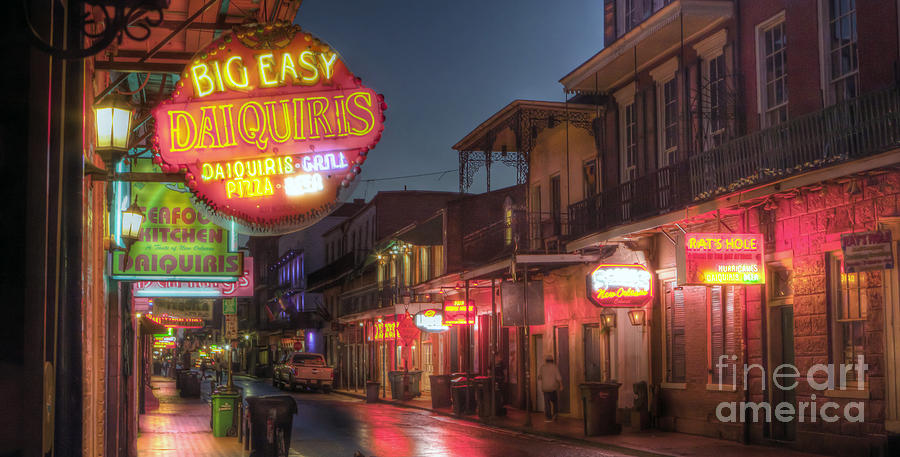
[549, 377]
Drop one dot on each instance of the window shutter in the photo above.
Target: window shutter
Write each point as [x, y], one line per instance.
[675, 330]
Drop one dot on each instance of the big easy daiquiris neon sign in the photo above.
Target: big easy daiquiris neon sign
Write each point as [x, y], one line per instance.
[269, 126]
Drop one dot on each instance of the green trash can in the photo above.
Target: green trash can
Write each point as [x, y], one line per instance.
[223, 407]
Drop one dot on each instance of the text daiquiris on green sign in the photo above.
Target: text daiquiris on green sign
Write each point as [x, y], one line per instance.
[175, 241]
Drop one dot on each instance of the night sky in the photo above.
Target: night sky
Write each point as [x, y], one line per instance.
[446, 66]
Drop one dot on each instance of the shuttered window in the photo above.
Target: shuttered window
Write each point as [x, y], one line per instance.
[721, 333]
[675, 338]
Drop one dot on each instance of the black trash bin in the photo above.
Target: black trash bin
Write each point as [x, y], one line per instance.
[190, 385]
[372, 391]
[440, 390]
[461, 391]
[600, 400]
[270, 420]
[396, 382]
[482, 386]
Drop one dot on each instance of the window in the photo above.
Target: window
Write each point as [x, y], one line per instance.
[717, 105]
[407, 277]
[631, 16]
[772, 55]
[508, 225]
[555, 203]
[669, 122]
[589, 178]
[849, 304]
[666, 78]
[628, 151]
[774, 83]
[714, 93]
[842, 59]
[721, 334]
[675, 337]
[424, 263]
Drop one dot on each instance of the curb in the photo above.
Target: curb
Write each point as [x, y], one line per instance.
[557, 436]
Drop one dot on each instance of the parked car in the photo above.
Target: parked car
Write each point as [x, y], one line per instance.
[303, 369]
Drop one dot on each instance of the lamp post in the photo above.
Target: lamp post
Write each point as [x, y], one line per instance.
[112, 117]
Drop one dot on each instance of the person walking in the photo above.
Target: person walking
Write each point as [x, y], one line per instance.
[551, 383]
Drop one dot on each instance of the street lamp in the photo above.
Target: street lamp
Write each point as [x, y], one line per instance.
[132, 218]
[608, 319]
[637, 317]
[113, 124]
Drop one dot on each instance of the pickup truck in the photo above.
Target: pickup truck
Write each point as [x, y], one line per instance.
[303, 369]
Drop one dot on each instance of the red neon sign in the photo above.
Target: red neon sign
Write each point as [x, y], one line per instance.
[621, 286]
[723, 258]
[270, 126]
[456, 311]
[385, 331]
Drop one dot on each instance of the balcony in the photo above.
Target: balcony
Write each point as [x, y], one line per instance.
[858, 128]
[679, 21]
[333, 271]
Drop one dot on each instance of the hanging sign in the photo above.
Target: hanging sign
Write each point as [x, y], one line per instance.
[456, 313]
[622, 286]
[229, 306]
[720, 258]
[231, 327]
[431, 321]
[184, 307]
[867, 251]
[176, 322]
[176, 242]
[243, 287]
[270, 126]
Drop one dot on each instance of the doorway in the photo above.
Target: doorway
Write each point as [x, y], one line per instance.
[427, 365]
[538, 351]
[781, 351]
[561, 342]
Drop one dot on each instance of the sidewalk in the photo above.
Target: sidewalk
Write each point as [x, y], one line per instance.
[180, 426]
[649, 443]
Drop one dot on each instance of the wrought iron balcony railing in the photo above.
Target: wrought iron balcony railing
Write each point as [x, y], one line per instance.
[847, 131]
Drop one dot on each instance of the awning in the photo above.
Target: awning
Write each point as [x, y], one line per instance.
[148, 327]
[428, 233]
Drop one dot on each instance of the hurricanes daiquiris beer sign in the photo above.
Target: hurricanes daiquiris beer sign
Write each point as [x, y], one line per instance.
[270, 127]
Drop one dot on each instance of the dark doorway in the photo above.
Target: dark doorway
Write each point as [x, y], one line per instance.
[562, 359]
[781, 351]
[593, 368]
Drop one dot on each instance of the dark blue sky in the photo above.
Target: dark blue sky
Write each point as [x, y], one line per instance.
[446, 66]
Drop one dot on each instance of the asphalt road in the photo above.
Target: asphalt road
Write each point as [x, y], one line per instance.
[336, 425]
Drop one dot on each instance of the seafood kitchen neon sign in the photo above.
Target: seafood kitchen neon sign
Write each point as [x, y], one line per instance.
[622, 286]
[270, 128]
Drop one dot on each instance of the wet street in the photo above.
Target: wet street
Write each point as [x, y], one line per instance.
[336, 425]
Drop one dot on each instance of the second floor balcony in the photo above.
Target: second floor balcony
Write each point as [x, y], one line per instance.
[842, 133]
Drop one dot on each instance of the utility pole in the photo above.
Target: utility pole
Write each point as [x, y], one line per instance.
[527, 353]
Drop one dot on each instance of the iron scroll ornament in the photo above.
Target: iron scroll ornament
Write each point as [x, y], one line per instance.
[119, 18]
